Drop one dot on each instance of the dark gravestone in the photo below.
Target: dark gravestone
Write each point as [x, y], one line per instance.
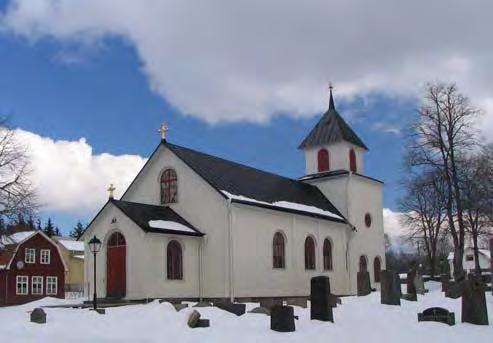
[203, 323]
[270, 302]
[203, 304]
[320, 304]
[334, 300]
[474, 309]
[238, 309]
[282, 318]
[411, 288]
[363, 283]
[454, 290]
[445, 280]
[193, 319]
[261, 310]
[179, 307]
[437, 314]
[419, 284]
[38, 316]
[390, 286]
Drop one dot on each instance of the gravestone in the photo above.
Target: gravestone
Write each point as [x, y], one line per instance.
[203, 323]
[474, 309]
[419, 284]
[437, 314]
[238, 309]
[203, 304]
[179, 307]
[261, 310]
[445, 267]
[334, 300]
[194, 321]
[390, 286]
[411, 288]
[454, 289]
[301, 302]
[445, 280]
[270, 302]
[38, 315]
[320, 307]
[282, 318]
[363, 283]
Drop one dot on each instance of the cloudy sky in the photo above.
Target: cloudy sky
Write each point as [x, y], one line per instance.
[87, 83]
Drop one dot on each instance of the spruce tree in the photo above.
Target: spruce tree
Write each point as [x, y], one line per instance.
[49, 228]
[77, 231]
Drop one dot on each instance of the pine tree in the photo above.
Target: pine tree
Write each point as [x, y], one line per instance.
[77, 231]
[57, 232]
[38, 225]
[49, 228]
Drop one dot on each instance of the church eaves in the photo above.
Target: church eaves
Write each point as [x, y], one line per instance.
[331, 128]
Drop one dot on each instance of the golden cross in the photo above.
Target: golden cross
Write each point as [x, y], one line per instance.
[111, 189]
[163, 130]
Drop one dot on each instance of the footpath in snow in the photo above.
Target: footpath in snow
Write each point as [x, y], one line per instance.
[358, 319]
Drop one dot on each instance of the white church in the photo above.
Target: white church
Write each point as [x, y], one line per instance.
[196, 226]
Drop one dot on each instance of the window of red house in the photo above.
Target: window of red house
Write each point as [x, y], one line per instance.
[30, 255]
[22, 284]
[45, 256]
[51, 285]
[37, 285]
[323, 160]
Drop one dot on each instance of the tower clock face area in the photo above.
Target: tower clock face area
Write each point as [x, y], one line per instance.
[368, 220]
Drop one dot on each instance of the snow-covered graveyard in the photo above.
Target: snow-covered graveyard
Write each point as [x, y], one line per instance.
[358, 319]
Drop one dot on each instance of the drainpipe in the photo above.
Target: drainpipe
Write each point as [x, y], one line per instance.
[230, 252]
[200, 268]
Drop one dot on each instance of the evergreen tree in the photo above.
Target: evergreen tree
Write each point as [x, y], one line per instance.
[49, 228]
[77, 231]
[38, 225]
[30, 223]
[57, 232]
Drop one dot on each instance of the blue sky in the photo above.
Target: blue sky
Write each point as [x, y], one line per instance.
[242, 80]
[105, 98]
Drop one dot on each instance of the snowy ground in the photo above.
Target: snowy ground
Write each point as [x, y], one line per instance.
[361, 319]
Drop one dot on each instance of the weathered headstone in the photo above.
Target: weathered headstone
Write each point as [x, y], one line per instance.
[445, 267]
[437, 314]
[261, 310]
[301, 302]
[179, 307]
[411, 288]
[445, 280]
[203, 323]
[38, 315]
[474, 309]
[270, 302]
[238, 309]
[363, 283]
[419, 284]
[320, 307]
[282, 319]
[203, 304]
[193, 319]
[334, 300]
[390, 286]
[454, 289]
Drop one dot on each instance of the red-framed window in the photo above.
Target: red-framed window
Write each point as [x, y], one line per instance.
[174, 261]
[309, 253]
[327, 252]
[278, 251]
[323, 160]
[352, 161]
[169, 187]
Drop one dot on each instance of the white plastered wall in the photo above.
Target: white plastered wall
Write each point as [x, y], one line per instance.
[253, 232]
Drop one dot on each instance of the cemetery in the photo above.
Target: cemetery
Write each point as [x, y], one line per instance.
[380, 315]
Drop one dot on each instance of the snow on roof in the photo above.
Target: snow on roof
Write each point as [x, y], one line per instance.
[17, 237]
[169, 225]
[72, 245]
[80, 257]
[285, 205]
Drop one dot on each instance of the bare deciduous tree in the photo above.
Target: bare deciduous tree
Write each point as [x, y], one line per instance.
[442, 137]
[17, 195]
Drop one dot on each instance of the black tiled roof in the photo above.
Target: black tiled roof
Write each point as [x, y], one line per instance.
[141, 214]
[331, 128]
[238, 179]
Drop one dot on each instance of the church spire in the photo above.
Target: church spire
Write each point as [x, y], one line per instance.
[331, 100]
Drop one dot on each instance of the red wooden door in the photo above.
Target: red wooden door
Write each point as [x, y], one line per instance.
[116, 255]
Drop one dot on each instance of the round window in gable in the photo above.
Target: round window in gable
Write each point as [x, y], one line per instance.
[368, 220]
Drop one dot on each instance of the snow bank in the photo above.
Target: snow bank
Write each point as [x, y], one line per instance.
[169, 225]
[284, 204]
[72, 245]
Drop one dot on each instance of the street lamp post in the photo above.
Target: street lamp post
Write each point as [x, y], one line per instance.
[94, 246]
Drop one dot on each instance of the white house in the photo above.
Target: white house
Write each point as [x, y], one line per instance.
[192, 225]
[468, 262]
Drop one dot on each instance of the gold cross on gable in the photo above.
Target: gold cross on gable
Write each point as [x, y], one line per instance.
[163, 130]
[111, 189]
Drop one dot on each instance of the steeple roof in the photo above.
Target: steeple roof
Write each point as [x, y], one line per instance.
[331, 128]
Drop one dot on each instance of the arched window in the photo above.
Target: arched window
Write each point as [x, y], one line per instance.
[327, 250]
[323, 160]
[377, 268]
[352, 161]
[174, 261]
[363, 264]
[309, 253]
[278, 256]
[169, 187]
[116, 240]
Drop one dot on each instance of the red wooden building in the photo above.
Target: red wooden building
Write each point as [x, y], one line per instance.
[31, 268]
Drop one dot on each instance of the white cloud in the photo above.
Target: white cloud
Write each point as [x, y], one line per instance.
[392, 224]
[70, 178]
[223, 60]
